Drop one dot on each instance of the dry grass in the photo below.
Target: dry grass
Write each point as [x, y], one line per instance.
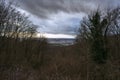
[58, 63]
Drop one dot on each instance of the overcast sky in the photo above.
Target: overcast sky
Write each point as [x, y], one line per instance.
[60, 16]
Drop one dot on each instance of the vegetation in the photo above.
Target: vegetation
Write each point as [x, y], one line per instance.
[94, 56]
[100, 33]
[95, 32]
[17, 41]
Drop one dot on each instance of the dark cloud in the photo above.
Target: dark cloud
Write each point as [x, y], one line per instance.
[43, 8]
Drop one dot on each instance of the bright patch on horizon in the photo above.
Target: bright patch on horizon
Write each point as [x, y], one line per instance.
[47, 35]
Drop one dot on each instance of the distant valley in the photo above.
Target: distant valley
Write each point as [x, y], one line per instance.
[61, 41]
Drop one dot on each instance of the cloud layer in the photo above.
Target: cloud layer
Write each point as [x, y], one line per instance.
[61, 16]
[43, 8]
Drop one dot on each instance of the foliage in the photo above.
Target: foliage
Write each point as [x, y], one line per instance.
[92, 30]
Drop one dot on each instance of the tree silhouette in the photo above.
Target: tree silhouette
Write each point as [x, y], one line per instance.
[93, 29]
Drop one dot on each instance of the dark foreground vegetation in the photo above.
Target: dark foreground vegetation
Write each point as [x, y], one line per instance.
[94, 56]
